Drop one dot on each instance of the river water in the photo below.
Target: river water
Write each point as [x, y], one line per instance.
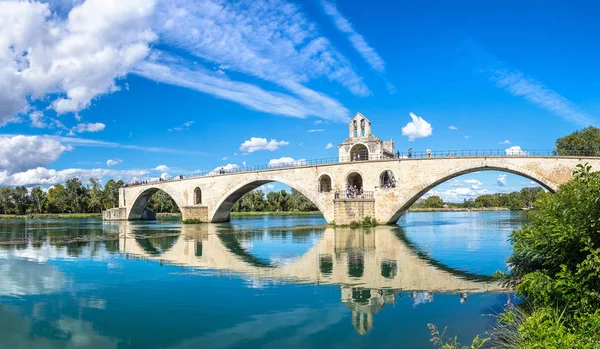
[266, 281]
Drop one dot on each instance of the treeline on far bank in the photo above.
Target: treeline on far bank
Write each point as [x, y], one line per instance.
[514, 201]
[73, 197]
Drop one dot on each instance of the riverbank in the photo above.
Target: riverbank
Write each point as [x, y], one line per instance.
[73, 216]
[459, 209]
[278, 213]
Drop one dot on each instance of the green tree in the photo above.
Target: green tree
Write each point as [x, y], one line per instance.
[299, 202]
[433, 202]
[583, 142]
[6, 202]
[38, 200]
[20, 198]
[111, 193]
[161, 202]
[58, 199]
[96, 200]
[78, 196]
[556, 256]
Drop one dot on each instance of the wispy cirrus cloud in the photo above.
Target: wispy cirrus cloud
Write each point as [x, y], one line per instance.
[357, 40]
[271, 41]
[520, 84]
[312, 103]
[84, 142]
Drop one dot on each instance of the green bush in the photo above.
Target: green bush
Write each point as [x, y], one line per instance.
[556, 256]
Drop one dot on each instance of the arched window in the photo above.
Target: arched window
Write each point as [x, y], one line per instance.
[355, 133]
[387, 180]
[389, 269]
[326, 264]
[359, 152]
[197, 196]
[356, 264]
[324, 184]
[354, 180]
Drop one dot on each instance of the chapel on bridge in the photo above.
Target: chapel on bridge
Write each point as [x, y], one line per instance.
[362, 145]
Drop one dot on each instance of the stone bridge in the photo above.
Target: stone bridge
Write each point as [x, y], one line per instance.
[393, 185]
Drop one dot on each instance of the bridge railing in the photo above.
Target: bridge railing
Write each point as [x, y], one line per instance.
[365, 195]
[399, 155]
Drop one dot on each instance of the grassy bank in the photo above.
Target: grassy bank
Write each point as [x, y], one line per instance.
[73, 215]
[52, 216]
[279, 213]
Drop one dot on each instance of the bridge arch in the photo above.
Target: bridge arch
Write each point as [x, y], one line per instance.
[414, 195]
[224, 206]
[140, 202]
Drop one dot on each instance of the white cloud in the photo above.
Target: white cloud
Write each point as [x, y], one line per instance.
[316, 130]
[357, 40]
[417, 128]
[266, 188]
[19, 153]
[453, 128]
[95, 127]
[83, 142]
[257, 144]
[44, 176]
[286, 161]
[39, 120]
[227, 168]
[66, 62]
[224, 158]
[458, 194]
[501, 180]
[185, 126]
[161, 168]
[473, 183]
[165, 176]
[270, 40]
[113, 162]
[505, 142]
[467, 137]
[329, 145]
[516, 151]
[303, 103]
[518, 84]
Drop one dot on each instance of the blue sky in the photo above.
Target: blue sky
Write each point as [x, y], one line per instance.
[178, 86]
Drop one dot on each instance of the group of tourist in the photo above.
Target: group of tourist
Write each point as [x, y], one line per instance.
[352, 192]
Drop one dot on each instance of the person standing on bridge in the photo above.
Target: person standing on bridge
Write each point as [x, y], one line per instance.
[409, 153]
[428, 152]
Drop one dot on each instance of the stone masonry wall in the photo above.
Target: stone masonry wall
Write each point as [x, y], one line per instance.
[348, 211]
[194, 212]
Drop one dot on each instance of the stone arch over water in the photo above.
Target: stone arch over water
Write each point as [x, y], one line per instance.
[141, 202]
[421, 190]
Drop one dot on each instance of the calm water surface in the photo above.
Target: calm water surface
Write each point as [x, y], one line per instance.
[266, 281]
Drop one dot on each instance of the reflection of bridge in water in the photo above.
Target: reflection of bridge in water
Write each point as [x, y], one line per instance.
[371, 266]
